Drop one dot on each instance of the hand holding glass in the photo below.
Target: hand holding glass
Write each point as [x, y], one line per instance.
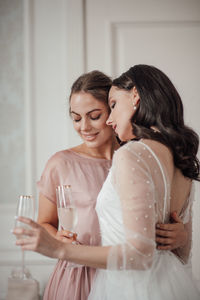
[67, 212]
[25, 208]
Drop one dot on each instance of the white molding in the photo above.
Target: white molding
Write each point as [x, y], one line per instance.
[114, 27]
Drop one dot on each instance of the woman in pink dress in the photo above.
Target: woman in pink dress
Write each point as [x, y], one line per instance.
[85, 168]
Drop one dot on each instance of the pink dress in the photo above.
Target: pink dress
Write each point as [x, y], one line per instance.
[86, 176]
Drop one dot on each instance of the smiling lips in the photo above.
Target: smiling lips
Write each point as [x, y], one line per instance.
[89, 137]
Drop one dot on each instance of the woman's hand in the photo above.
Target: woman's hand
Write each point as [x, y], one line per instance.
[171, 236]
[38, 239]
[66, 236]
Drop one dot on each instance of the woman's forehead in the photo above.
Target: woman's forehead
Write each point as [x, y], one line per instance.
[86, 102]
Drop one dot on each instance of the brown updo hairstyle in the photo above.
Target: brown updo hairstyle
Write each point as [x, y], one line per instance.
[160, 106]
[95, 83]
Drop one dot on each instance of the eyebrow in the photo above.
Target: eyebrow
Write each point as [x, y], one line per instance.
[96, 109]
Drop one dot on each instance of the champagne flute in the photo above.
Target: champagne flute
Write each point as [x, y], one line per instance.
[25, 208]
[67, 213]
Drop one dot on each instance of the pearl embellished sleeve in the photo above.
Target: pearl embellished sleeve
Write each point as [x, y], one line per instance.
[138, 180]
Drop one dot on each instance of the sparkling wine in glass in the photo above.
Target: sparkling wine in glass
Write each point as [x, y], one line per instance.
[25, 208]
[67, 212]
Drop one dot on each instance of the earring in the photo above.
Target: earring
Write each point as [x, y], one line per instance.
[134, 107]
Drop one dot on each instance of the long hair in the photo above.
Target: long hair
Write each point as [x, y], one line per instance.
[95, 83]
[160, 106]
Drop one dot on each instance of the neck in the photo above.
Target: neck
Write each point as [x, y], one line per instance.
[105, 151]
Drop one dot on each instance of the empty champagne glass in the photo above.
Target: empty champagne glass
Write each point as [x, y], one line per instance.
[25, 208]
[67, 212]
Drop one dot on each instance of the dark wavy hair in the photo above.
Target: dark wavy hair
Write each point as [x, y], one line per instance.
[95, 83]
[160, 106]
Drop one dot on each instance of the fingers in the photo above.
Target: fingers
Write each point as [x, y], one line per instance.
[164, 241]
[67, 234]
[37, 239]
[167, 247]
[168, 227]
[165, 233]
[170, 236]
[28, 222]
[175, 217]
[66, 239]
[70, 234]
[25, 238]
[163, 226]
[22, 242]
[18, 231]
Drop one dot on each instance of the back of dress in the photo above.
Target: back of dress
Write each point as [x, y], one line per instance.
[135, 268]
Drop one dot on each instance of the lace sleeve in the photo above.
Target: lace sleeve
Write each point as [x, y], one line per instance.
[132, 179]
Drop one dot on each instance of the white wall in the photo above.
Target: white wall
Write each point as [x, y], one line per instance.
[48, 37]
[12, 140]
[21, 80]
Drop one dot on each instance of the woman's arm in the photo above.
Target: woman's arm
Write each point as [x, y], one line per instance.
[39, 240]
[48, 218]
[47, 215]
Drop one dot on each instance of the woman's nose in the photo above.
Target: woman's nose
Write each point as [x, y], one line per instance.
[85, 125]
[109, 121]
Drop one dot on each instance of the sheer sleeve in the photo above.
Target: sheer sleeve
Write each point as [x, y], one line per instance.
[133, 180]
[184, 252]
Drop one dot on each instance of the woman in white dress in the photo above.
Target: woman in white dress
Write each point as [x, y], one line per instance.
[151, 176]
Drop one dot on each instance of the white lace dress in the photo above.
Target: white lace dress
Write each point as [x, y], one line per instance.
[134, 197]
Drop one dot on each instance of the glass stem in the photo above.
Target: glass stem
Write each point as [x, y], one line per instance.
[23, 264]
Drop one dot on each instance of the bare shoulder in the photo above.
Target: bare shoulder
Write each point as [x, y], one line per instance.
[181, 184]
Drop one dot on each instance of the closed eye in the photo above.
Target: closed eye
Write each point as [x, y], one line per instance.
[112, 105]
[92, 118]
[96, 118]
